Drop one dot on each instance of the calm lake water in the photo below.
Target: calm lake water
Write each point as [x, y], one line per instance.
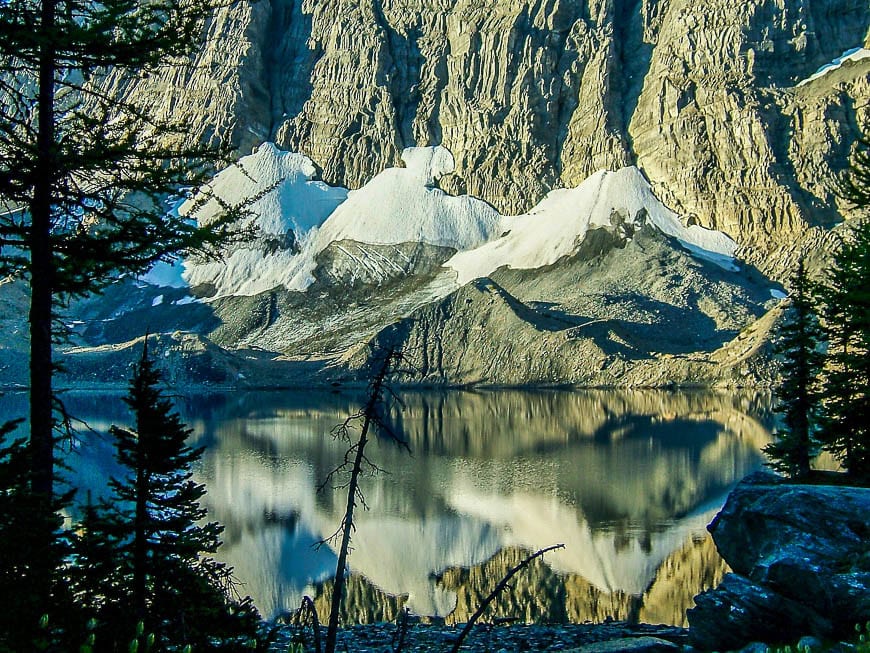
[626, 480]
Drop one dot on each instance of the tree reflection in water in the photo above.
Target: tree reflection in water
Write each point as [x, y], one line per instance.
[627, 480]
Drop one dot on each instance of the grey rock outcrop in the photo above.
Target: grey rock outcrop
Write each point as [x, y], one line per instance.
[533, 95]
[739, 611]
[619, 313]
[633, 644]
[801, 560]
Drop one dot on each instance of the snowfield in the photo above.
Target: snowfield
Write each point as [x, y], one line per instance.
[855, 54]
[288, 199]
[555, 227]
[401, 205]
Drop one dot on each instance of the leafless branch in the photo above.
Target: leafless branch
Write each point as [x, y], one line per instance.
[503, 584]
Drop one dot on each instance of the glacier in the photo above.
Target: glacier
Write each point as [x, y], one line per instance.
[402, 205]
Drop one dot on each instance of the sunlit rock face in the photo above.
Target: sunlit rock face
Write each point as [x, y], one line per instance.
[704, 97]
[600, 162]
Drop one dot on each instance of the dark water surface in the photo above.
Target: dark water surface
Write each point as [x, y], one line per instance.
[626, 480]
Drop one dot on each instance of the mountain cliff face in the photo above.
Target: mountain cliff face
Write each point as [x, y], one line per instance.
[598, 192]
[705, 98]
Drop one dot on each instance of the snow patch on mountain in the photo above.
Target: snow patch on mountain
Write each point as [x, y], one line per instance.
[288, 205]
[166, 274]
[297, 217]
[855, 54]
[560, 222]
[400, 205]
[288, 198]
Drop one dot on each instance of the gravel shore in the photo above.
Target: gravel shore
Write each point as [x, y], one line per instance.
[483, 638]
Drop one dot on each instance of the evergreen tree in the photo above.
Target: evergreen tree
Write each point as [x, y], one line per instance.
[845, 296]
[84, 171]
[800, 337]
[24, 558]
[96, 573]
[161, 573]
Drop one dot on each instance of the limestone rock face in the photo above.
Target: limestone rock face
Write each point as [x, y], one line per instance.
[718, 130]
[536, 94]
[222, 96]
[801, 560]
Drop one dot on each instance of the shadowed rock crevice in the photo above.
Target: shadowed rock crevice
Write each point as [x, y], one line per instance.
[633, 38]
[289, 62]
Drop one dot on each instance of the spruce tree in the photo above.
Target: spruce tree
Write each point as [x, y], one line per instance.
[27, 621]
[85, 169]
[21, 610]
[798, 345]
[845, 296]
[97, 575]
[164, 578]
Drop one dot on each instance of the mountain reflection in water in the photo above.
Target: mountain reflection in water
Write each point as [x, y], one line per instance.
[627, 480]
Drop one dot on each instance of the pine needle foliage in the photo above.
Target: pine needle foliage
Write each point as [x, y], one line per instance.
[845, 300]
[799, 344]
[26, 558]
[158, 568]
[86, 168]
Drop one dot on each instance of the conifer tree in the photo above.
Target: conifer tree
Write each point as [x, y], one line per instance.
[800, 337]
[85, 171]
[96, 573]
[24, 559]
[845, 296]
[164, 576]
[19, 617]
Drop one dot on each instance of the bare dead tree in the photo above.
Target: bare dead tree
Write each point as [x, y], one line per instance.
[499, 588]
[356, 463]
[402, 627]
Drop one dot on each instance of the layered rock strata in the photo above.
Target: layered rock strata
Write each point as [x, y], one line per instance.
[705, 97]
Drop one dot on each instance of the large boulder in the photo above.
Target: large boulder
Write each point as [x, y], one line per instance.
[740, 611]
[801, 557]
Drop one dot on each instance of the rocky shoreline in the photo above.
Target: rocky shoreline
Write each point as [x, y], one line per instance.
[421, 637]
[801, 561]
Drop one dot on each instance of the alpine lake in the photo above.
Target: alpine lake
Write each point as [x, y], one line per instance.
[626, 480]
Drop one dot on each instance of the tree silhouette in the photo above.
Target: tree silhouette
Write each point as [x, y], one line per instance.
[356, 462]
[799, 339]
[845, 297]
[85, 172]
[160, 573]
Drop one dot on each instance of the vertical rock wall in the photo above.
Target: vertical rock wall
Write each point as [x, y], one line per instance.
[535, 94]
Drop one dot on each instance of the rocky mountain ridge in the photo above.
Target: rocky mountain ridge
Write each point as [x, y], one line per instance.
[597, 285]
[538, 192]
[705, 98]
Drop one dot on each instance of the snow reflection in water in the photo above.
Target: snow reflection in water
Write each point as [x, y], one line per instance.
[627, 480]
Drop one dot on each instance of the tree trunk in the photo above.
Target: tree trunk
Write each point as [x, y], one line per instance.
[140, 533]
[41, 290]
[347, 524]
[42, 272]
